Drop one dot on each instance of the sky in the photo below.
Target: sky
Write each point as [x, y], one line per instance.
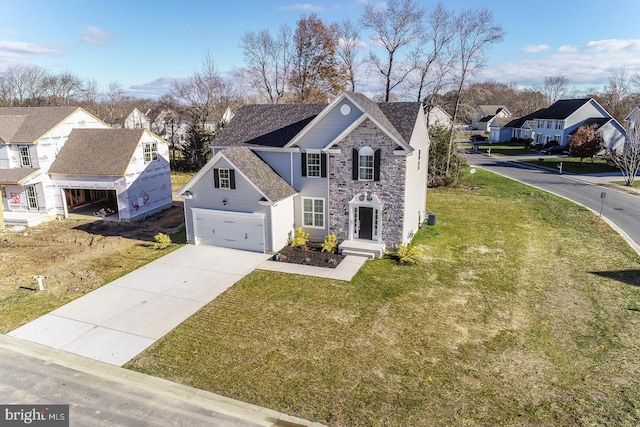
[144, 45]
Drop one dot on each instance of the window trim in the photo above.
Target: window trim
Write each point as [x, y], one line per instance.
[315, 166]
[367, 154]
[32, 199]
[313, 212]
[224, 182]
[150, 151]
[22, 156]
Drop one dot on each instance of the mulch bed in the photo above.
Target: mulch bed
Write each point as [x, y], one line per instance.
[310, 255]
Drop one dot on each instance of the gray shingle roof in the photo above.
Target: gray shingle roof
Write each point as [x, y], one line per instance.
[275, 125]
[28, 124]
[272, 125]
[598, 122]
[15, 176]
[272, 185]
[562, 109]
[97, 152]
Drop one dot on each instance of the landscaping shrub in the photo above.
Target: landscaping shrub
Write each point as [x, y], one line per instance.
[162, 240]
[300, 238]
[330, 244]
[407, 254]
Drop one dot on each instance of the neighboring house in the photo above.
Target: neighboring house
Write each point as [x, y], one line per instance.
[130, 118]
[437, 116]
[498, 130]
[124, 172]
[484, 113]
[560, 120]
[30, 139]
[354, 168]
[520, 128]
[634, 116]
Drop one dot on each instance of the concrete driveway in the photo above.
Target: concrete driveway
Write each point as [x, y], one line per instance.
[119, 320]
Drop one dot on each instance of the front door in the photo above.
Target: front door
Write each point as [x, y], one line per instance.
[366, 223]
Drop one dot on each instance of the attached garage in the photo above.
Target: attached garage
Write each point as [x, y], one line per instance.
[234, 230]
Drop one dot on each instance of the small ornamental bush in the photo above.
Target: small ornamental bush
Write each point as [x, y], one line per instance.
[407, 254]
[330, 244]
[300, 238]
[162, 240]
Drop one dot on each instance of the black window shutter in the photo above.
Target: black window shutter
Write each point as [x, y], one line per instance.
[232, 179]
[354, 165]
[303, 156]
[323, 165]
[216, 179]
[376, 165]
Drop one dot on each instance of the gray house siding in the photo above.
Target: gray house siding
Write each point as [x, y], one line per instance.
[244, 198]
[390, 188]
[279, 162]
[330, 126]
[312, 188]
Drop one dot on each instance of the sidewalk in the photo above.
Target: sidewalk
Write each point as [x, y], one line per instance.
[344, 271]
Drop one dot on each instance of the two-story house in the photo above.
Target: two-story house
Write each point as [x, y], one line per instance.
[560, 120]
[484, 113]
[354, 168]
[37, 185]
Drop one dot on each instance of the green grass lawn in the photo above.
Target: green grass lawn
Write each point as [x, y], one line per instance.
[523, 310]
[574, 165]
[504, 149]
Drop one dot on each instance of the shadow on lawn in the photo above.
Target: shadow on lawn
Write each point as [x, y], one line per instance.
[630, 277]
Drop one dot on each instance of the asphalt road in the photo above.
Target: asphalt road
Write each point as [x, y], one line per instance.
[100, 394]
[620, 209]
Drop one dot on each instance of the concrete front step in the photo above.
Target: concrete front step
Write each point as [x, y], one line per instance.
[358, 253]
[362, 248]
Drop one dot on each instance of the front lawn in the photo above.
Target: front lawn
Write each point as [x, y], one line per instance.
[524, 310]
[504, 149]
[574, 165]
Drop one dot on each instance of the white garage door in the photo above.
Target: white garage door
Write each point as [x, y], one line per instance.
[229, 229]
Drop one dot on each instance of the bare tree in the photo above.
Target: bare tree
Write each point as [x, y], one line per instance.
[396, 25]
[433, 53]
[62, 88]
[348, 48]
[23, 85]
[475, 33]
[554, 87]
[202, 94]
[113, 97]
[627, 159]
[268, 61]
[616, 93]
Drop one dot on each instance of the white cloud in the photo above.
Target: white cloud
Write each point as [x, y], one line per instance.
[535, 48]
[93, 35]
[588, 65]
[305, 7]
[12, 52]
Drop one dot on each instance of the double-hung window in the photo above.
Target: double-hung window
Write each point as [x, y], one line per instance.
[225, 179]
[150, 151]
[313, 212]
[25, 158]
[365, 162]
[32, 199]
[313, 164]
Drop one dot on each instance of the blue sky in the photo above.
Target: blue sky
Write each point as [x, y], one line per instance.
[144, 44]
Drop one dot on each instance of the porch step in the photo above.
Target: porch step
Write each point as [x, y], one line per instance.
[362, 248]
[358, 253]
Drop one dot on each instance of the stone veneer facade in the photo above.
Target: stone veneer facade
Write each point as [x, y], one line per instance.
[390, 188]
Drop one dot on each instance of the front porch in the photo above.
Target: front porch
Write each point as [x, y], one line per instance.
[364, 248]
[25, 219]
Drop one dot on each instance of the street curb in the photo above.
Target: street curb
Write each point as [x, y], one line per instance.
[177, 392]
[635, 246]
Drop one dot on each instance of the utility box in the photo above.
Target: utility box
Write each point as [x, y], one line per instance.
[431, 218]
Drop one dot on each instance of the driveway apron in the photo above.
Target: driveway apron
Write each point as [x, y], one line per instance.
[119, 320]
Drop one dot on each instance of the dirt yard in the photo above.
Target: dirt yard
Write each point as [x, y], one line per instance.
[73, 256]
